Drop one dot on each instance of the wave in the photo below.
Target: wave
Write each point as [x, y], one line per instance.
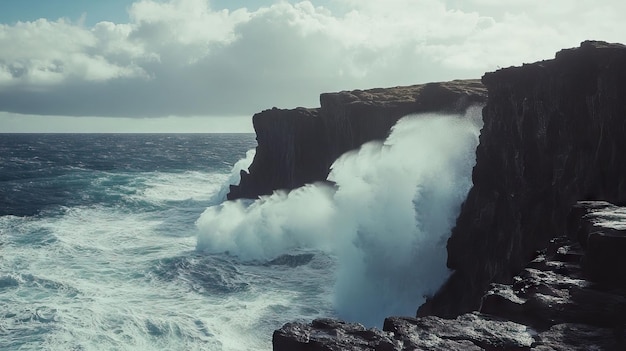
[385, 222]
[163, 187]
[235, 176]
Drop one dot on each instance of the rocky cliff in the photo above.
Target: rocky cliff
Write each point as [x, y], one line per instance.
[570, 297]
[533, 270]
[554, 133]
[298, 146]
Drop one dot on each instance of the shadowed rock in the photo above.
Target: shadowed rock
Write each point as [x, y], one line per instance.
[553, 134]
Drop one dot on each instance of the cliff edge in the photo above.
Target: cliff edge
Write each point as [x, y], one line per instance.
[298, 146]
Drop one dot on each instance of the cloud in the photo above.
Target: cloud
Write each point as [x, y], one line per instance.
[43, 53]
[183, 57]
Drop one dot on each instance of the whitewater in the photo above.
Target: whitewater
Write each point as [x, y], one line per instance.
[126, 242]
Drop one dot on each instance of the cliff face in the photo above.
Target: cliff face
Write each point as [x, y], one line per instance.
[287, 155]
[298, 146]
[554, 133]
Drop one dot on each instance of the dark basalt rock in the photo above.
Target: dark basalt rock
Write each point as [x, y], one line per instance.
[553, 304]
[298, 146]
[467, 332]
[602, 231]
[287, 155]
[578, 337]
[553, 134]
[331, 335]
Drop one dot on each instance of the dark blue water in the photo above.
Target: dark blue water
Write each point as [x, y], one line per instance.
[45, 171]
[98, 248]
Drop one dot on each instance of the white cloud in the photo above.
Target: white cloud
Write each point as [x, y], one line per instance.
[48, 53]
[183, 57]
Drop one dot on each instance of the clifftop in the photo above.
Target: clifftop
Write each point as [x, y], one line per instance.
[429, 97]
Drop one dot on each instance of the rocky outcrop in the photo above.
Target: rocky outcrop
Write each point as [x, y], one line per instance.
[472, 331]
[296, 147]
[558, 302]
[553, 134]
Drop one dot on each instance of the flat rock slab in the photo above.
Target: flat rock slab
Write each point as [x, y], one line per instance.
[601, 229]
[580, 337]
[468, 331]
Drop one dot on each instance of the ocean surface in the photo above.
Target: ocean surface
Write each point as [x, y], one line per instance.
[126, 242]
[98, 248]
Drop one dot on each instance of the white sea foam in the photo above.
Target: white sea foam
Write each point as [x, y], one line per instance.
[159, 187]
[106, 278]
[386, 222]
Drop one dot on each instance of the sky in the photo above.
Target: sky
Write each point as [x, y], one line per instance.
[209, 65]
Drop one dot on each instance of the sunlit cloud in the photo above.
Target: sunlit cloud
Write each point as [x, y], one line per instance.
[184, 57]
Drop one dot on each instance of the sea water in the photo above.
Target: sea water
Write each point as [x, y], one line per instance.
[125, 242]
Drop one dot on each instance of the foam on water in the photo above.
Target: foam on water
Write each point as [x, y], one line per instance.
[386, 222]
[159, 187]
[117, 276]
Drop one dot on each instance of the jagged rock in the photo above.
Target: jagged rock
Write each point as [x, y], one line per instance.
[472, 331]
[580, 337]
[553, 290]
[602, 231]
[467, 332]
[331, 335]
[551, 305]
[553, 134]
[296, 147]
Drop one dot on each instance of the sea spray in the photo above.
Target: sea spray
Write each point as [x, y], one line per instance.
[386, 221]
[235, 176]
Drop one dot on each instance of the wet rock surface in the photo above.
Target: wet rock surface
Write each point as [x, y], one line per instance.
[554, 303]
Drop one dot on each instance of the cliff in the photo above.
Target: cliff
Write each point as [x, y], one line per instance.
[534, 269]
[298, 146]
[553, 134]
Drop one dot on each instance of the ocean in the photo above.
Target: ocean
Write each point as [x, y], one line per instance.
[126, 242]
